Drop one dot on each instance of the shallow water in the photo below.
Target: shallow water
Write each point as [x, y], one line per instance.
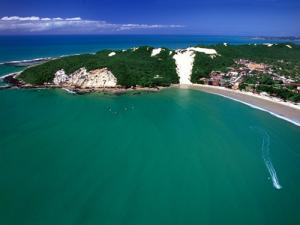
[173, 157]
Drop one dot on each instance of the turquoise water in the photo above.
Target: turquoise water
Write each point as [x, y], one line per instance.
[4, 69]
[173, 157]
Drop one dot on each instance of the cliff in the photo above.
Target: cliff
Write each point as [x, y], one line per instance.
[98, 78]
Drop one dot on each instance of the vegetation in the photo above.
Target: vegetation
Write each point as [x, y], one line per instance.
[281, 92]
[204, 65]
[290, 58]
[131, 67]
[264, 83]
[137, 67]
[283, 60]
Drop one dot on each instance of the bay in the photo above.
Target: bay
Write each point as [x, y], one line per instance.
[173, 157]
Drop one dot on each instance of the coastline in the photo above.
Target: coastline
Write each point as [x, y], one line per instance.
[12, 82]
[284, 110]
[276, 107]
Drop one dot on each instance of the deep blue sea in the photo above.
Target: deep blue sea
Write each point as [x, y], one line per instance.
[29, 47]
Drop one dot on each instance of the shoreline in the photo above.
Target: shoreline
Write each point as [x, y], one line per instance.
[287, 111]
[12, 82]
[284, 110]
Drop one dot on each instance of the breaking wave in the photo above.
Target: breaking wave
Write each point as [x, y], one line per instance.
[34, 60]
[25, 61]
[266, 157]
[69, 91]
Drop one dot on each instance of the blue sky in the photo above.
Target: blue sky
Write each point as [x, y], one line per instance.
[221, 17]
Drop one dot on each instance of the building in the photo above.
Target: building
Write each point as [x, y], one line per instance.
[236, 86]
[297, 85]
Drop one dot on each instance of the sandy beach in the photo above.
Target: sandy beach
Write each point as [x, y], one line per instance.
[284, 110]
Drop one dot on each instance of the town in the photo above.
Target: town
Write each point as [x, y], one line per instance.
[246, 74]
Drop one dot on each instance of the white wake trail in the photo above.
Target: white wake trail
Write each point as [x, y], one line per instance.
[266, 157]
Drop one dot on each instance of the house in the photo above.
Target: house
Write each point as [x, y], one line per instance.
[236, 86]
[257, 66]
[297, 85]
[204, 80]
[216, 82]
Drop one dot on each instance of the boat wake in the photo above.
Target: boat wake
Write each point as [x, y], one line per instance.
[266, 157]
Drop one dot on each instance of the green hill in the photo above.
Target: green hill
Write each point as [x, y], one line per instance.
[131, 67]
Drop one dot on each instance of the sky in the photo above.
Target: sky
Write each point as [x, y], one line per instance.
[204, 17]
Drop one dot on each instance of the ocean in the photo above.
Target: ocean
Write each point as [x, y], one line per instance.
[30, 47]
[172, 157]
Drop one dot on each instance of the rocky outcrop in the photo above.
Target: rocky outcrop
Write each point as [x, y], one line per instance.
[98, 78]
[60, 77]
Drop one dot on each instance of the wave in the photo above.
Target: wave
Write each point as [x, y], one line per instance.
[34, 60]
[25, 61]
[69, 91]
[297, 123]
[266, 157]
[2, 77]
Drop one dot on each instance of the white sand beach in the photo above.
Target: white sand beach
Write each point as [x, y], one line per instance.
[277, 107]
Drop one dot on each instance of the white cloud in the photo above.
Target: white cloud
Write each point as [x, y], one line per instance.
[68, 25]
[17, 18]
[74, 18]
[146, 26]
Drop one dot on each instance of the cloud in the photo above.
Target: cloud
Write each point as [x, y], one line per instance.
[35, 24]
[17, 18]
[146, 26]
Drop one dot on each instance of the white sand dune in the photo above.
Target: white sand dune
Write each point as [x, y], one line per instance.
[156, 51]
[208, 51]
[111, 54]
[184, 62]
[268, 44]
[184, 59]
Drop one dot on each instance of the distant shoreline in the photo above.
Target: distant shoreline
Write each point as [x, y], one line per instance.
[279, 38]
[284, 110]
